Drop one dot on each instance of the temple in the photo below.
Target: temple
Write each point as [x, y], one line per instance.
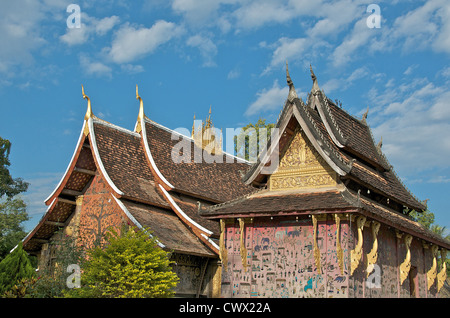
[321, 213]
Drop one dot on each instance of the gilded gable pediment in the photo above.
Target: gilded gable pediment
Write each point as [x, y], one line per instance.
[301, 166]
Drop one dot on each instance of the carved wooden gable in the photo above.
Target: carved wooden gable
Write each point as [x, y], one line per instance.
[301, 167]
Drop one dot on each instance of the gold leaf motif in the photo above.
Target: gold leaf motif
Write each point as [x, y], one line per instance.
[373, 254]
[356, 253]
[406, 265]
[442, 275]
[431, 274]
[316, 247]
[301, 166]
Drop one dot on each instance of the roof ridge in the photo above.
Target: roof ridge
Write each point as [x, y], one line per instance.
[114, 126]
[322, 137]
[232, 201]
[333, 120]
[148, 120]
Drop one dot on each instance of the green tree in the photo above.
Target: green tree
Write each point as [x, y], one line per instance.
[130, 265]
[53, 277]
[426, 218]
[12, 208]
[12, 214]
[15, 267]
[8, 186]
[246, 145]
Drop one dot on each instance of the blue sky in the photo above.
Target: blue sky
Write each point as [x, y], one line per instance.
[188, 55]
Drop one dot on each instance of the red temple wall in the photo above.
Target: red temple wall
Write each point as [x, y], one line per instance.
[99, 213]
[391, 253]
[280, 260]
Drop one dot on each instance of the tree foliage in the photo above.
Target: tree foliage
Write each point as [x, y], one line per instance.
[250, 148]
[130, 265]
[12, 214]
[8, 186]
[12, 208]
[15, 267]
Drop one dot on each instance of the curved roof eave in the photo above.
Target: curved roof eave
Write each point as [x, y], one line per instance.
[148, 154]
[98, 159]
[70, 167]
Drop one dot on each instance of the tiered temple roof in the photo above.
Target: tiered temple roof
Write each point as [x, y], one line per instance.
[149, 187]
[365, 182]
[181, 202]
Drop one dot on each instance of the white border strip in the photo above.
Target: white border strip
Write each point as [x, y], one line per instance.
[99, 160]
[70, 163]
[149, 154]
[48, 209]
[192, 140]
[211, 242]
[167, 195]
[132, 218]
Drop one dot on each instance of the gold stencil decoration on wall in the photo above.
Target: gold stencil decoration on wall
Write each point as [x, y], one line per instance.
[356, 253]
[301, 167]
[406, 265]
[432, 273]
[372, 256]
[442, 275]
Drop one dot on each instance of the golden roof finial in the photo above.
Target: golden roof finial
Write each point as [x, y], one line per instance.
[141, 104]
[292, 93]
[193, 128]
[141, 111]
[89, 109]
[208, 123]
[315, 87]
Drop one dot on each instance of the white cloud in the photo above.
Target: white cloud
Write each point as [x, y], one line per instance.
[104, 25]
[94, 68]
[343, 83]
[41, 185]
[268, 99]
[357, 38]
[335, 17]
[234, 73]
[423, 28]
[19, 33]
[287, 49]
[131, 43]
[257, 13]
[196, 12]
[207, 48]
[414, 120]
[89, 26]
[132, 69]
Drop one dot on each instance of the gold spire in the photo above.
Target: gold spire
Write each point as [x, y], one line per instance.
[141, 111]
[364, 116]
[193, 128]
[88, 111]
[315, 87]
[208, 121]
[204, 137]
[292, 93]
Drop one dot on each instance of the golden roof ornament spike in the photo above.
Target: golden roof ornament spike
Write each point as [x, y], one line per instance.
[380, 143]
[208, 123]
[315, 88]
[364, 117]
[292, 93]
[141, 114]
[193, 128]
[141, 104]
[89, 109]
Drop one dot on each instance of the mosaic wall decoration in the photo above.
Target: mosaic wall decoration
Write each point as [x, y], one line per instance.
[280, 260]
[99, 213]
